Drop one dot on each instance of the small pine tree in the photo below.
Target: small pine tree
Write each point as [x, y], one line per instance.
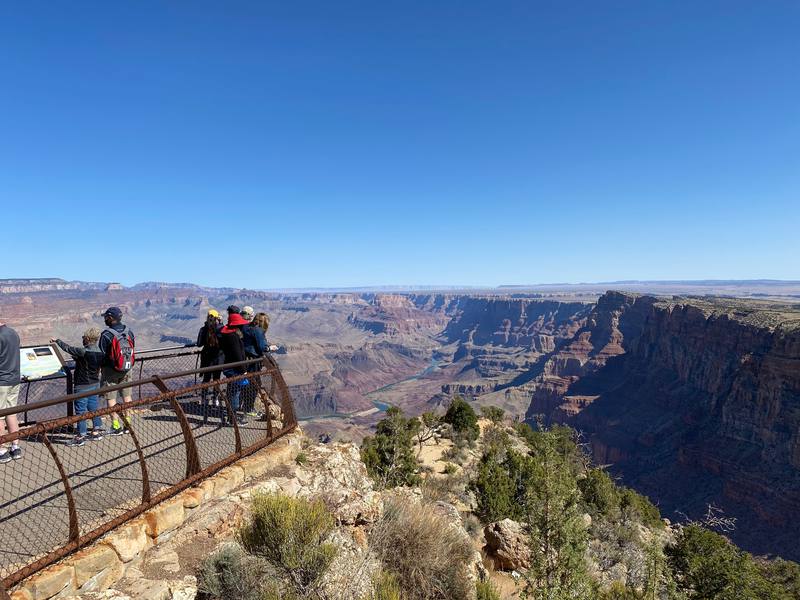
[494, 413]
[558, 535]
[389, 454]
[461, 416]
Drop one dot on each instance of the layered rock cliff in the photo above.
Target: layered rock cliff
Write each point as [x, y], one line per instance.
[693, 402]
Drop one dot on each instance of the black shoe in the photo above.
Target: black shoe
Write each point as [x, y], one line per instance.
[16, 453]
[97, 435]
[117, 431]
[241, 421]
[78, 440]
[5, 457]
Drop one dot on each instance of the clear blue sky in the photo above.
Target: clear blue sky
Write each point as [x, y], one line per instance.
[282, 144]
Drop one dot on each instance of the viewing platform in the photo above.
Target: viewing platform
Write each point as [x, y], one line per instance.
[59, 498]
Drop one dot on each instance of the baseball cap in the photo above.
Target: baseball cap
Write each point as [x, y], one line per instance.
[114, 312]
[248, 311]
[213, 313]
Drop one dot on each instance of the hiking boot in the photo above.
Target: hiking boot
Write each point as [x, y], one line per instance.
[97, 435]
[5, 457]
[117, 431]
[241, 420]
[78, 440]
[16, 453]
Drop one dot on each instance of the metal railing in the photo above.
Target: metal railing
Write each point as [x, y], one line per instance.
[149, 361]
[59, 497]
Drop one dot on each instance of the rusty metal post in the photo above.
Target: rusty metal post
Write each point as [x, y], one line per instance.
[146, 497]
[74, 530]
[192, 454]
[3, 593]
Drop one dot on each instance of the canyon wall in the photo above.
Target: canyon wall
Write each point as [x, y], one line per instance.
[694, 401]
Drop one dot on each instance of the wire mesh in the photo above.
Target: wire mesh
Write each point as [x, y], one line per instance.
[175, 430]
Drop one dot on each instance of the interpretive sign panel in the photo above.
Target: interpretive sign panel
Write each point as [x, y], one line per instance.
[36, 362]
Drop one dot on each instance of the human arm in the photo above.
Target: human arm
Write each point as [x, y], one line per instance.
[73, 351]
[201, 337]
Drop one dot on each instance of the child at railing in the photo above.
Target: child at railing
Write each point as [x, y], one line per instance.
[88, 360]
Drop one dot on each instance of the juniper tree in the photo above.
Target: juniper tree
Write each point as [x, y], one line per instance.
[389, 455]
[558, 535]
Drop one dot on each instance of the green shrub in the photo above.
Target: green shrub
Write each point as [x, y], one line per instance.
[289, 533]
[618, 591]
[301, 458]
[461, 416]
[389, 454]
[494, 413]
[783, 573]
[385, 587]
[495, 440]
[708, 566]
[641, 507]
[499, 487]
[230, 573]
[599, 492]
[427, 555]
[485, 590]
[450, 469]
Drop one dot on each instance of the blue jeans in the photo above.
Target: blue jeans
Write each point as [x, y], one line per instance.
[234, 388]
[83, 405]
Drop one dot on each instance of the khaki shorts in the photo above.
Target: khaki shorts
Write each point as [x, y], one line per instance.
[9, 394]
[109, 376]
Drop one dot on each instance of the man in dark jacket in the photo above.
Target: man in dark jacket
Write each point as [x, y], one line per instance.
[232, 346]
[9, 388]
[88, 361]
[108, 374]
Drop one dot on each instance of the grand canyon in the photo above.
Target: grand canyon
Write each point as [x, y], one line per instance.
[688, 391]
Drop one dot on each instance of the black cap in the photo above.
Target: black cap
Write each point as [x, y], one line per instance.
[114, 312]
[233, 309]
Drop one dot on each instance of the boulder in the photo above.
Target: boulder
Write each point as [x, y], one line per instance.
[507, 543]
[335, 474]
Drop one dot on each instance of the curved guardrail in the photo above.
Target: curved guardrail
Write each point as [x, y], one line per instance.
[59, 498]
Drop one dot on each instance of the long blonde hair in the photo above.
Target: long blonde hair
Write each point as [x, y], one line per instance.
[261, 320]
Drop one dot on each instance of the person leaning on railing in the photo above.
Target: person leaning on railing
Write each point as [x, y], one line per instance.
[255, 346]
[9, 388]
[210, 354]
[232, 345]
[88, 360]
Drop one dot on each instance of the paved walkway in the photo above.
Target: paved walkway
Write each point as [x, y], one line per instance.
[105, 476]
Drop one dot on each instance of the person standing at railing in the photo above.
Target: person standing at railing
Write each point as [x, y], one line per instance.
[117, 345]
[88, 361]
[210, 354]
[232, 345]
[9, 389]
[255, 346]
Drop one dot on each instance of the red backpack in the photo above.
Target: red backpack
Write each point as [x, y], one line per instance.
[121, 350]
